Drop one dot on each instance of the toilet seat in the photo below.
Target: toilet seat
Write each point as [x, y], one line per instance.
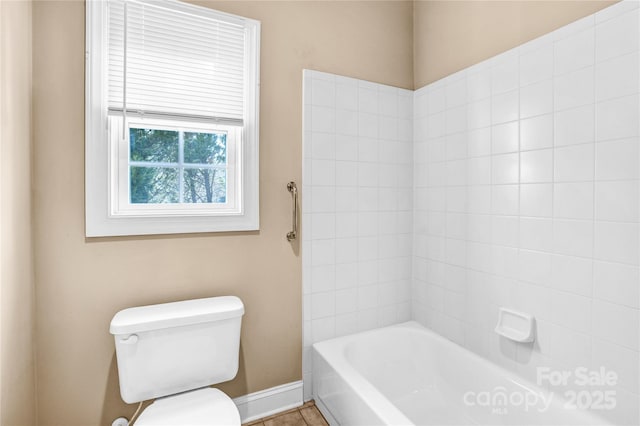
[202, 407]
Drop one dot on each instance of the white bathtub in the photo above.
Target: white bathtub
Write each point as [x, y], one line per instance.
[408, 375]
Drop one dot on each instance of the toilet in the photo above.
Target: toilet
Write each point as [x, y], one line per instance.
[174, 352]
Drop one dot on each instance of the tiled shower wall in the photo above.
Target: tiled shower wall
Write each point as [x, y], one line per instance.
[526, 196]
[357, 207]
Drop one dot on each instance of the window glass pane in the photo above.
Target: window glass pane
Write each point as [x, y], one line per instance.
[153, 145]
[205, 148]
[154, 185]
[205, 186]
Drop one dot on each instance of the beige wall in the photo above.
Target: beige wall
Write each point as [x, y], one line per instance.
[17, 388]
[82, 283]
[452, 35]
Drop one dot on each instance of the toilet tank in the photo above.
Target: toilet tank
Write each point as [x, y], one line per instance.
[175, 347]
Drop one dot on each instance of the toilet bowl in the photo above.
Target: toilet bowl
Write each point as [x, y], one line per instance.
[174, 352]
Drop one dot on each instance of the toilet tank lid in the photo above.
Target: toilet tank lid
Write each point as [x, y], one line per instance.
[175, 314]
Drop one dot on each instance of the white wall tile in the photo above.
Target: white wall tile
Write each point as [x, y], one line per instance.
[617, 201]
[323, 172]
[617, 77]
[346, 201]
[323, 119]
[323, 146]
[324, 226]
[505, 230]
[388, 101]
[368, 125]
[534, 267]
[346, 173]
[346, 123]
[572, 274]
[504, 107]
[323, 305]
[346, 148]
[617, 160]
[573, 237]
[615, 10]
[479, 199]
[504, 138]
[505, 168]
[346, 275]
[536, 200]
[388, 128]
[504, 73]
[346, 94]
[479, 114]
[536, 65]
[573, 200]
[346, 324]
[479, 171]
[323, 278]
[456, 120]
[616, 242]
[368, 100]
[615, 323]
[536, 99]
[617, 36]
[478, 84]
[574, 126]
[456, 172]
[479, 228]
[623, 361]
[368, 199]
[436, 100]
[617, 283]
[323, 329]
[323, 199]
[504, 200]
[574, 52]
[479, 142]
[568, 347]
[536, 234]
[571, 311]
[536, 132]
[323, 93]
[574, 163]
[536, 166]
[617, 118]
[346, 250]
[574, 89]
[367, 174]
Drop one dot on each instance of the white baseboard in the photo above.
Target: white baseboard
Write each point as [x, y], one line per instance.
[269, 401]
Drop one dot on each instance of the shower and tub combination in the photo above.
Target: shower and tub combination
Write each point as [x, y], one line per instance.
[418, 377]
[512, 184]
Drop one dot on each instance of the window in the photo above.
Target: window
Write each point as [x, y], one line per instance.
[171, 119]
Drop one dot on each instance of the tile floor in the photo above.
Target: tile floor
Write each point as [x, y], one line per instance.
[306, 415]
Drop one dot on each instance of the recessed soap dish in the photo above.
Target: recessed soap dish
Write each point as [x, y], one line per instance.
[517, 326]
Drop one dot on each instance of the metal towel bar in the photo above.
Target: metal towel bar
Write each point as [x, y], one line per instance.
[293, 189]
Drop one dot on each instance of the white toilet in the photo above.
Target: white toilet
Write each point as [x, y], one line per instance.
[173, 352]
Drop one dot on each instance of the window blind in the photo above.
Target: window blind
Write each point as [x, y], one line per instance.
[175, 62]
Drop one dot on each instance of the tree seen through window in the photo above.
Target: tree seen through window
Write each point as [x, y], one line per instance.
[174, 166]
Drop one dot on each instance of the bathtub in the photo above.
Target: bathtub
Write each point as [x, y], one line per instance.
[408, 375]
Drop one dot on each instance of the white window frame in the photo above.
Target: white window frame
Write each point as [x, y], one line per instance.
[107, 211]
